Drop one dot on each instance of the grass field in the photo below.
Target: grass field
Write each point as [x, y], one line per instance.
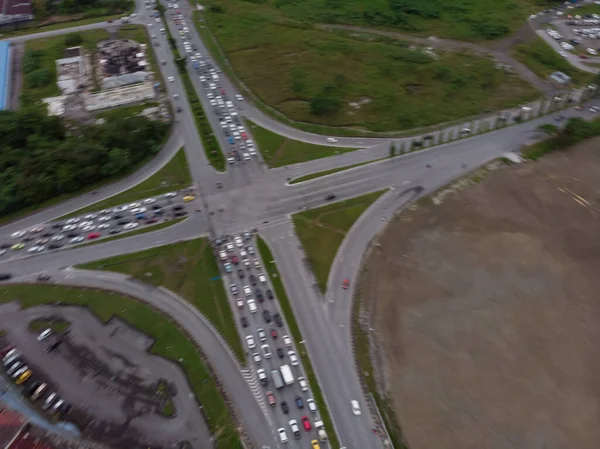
[322, 231]
[170, 343]
[175, 175]
[319, 77]
[57, 326]
[278, 150]
[286, 308]
[543, 60]
[190, 270]
[328, 172]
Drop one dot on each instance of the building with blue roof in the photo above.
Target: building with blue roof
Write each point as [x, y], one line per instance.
[5, 70]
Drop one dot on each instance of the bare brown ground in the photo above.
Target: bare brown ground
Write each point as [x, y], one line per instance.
[487, 310]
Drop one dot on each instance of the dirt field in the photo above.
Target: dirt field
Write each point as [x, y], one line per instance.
[487, 310]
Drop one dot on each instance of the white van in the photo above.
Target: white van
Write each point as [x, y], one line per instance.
[163, 31]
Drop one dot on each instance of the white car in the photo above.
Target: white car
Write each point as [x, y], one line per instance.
[294, 426]
[223, 255]
[240, 303]
[150, 25]
[90, 217]
[246, 156]
[287, 340]
[134, 205]
[262, 335]
[58, 237]
[171, 79]
[157, 20]
[88, 228]
[17, 235]
[77, 239]
[282, 435]
[303, 384]
[332, 139]
[103, 219]
[239, 98]
[256, 263]
[592, 52]
[85, 224]
[247, 290]
[594, 109]
[72, 220]
[2, 252]
[36, 249]
[130, 226]
[243, 254]
[149, 201]
[256, 358]
[250, 249]
[310, 403]
[293, 358]
[262, 279]
[229, 247]
[44, 334]
[252, 151]
[104, 226]
[239, 242]
[355, 407]
[250, 342]
[69, 227]
[266, 349]
[138, 210]
[252, 306]
[171, 195]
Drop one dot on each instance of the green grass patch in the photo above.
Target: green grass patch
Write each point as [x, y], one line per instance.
[362, 353]
[144, 230]
[278, 150]
[314, 76]
[330, 172]
[211, 146]
[127, 111]
[543, 60]
[170, 342]
[286, 308]
[58, 326]
[190, 269]
[576, 130]
[322, 231]
[167, 409]
[175, 175]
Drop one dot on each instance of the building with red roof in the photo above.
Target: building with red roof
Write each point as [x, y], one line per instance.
[15, 11]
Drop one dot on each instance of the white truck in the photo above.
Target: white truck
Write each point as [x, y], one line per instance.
[286, 373]
[320, 430]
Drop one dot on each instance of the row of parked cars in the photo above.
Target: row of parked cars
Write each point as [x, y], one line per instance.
[16, 368]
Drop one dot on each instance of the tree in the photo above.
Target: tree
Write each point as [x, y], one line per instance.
[73, 39]
[325, 102]
[180, 64]
[548, 128]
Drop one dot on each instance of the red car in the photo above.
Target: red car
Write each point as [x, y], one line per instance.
[222, 91]
[273, 333]
[235, 259]
[345, 284]
[583, 56]
[271, 399]
[93, 235]
[244, 136]
[109, 21]
[306, 423]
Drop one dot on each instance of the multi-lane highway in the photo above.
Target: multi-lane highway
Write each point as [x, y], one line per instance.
[253, 197]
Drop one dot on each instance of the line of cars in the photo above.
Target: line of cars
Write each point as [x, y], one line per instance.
[92, 226]
[250, 291]
[16, 368]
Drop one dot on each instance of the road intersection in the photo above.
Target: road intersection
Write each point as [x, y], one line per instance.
[253, 197]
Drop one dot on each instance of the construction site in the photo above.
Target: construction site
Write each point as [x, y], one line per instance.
[117, 73]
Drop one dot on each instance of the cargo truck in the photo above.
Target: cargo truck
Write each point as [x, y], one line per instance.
[286, 373]
[277, 381]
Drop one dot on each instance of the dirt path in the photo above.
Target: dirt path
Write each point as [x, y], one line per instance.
[499, 51]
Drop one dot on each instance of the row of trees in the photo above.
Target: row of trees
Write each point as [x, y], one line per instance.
[41, 158]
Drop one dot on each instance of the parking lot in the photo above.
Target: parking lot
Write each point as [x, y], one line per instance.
[97, 225]
[275, 372]
[103, 379]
